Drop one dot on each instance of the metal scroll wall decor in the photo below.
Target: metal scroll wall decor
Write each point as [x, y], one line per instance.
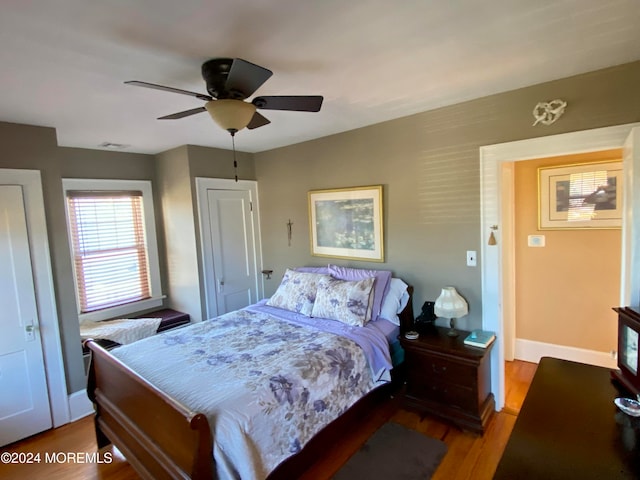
[547, 113]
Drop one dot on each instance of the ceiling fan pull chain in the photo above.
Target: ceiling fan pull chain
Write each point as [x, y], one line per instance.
[235, 163]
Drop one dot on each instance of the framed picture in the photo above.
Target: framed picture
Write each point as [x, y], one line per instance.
[580, 196]
[347, 223]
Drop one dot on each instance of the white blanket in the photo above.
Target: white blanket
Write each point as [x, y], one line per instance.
[122, 331]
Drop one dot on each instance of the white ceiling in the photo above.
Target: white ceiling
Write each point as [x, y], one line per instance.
[63, 62]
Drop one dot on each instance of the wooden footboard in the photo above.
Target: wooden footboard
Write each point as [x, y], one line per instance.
[159, 437]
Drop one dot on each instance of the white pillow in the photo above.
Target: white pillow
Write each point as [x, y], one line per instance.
[297, 291]
[345, 301]
[394, 301]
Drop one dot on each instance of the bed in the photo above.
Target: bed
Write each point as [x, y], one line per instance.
[257, 392]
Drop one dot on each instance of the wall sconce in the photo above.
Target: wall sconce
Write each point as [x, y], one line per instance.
[267, 274]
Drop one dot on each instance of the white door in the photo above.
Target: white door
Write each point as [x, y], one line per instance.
[233, 249]
[24, 398]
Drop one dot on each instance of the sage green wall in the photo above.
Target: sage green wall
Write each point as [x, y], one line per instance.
[217, 163]
[429, 166]
[84, 163]
[177, 170]
[213, 163]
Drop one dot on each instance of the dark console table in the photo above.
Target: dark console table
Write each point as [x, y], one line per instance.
[569, 428]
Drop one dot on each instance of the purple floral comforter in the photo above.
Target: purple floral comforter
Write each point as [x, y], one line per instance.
[267, 384]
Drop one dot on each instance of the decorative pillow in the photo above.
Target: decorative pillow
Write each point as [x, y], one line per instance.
[324, 269]
[394, 301]
[297, 291]
[381, 286]
[347, 302]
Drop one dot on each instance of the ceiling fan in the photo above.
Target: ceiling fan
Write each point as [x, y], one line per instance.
[229, 82]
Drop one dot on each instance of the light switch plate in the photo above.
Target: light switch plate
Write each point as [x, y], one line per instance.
[471, 258]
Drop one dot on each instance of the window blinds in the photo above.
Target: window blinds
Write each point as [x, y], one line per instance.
[109, 248]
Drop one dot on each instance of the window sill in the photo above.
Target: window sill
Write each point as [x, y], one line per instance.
[122, 311]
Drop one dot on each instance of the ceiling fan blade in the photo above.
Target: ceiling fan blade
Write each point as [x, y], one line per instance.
[186, 113]
[138, 83]
[246, 77]
[297, 103]
[258, 120]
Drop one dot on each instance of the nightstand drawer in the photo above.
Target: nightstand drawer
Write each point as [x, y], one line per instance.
[443, 392]
[436, 369]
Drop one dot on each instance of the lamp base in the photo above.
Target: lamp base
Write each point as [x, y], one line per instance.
[452, 328]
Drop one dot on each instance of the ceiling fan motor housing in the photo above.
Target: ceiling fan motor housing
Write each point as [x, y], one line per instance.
[215, 73]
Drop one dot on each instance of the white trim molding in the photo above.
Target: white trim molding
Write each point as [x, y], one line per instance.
[79, 405]
[145, 187]
[532, 351]
[206, 258]
[45, 296]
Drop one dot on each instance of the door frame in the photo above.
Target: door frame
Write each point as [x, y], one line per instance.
[31, 184]
[497, 260]
[206, 258]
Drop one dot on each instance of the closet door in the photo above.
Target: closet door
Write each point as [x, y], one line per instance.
[230, 242]
[233, 249]
[24, 403]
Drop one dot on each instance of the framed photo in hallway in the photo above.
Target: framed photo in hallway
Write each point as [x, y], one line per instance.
[347, 223]
[584, 196]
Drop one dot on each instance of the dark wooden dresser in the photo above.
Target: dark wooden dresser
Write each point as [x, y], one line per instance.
[569, 427]
[448, 379]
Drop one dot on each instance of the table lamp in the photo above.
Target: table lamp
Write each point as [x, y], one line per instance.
[451, 305]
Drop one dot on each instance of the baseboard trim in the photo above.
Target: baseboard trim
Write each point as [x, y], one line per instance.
[532, 351]
[79, 405]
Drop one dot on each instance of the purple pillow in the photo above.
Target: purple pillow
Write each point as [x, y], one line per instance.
[380, 287]
[324, 270]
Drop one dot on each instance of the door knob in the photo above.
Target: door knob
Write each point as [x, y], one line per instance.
[30, 332]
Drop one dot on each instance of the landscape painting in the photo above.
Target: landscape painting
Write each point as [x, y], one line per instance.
[347, 223]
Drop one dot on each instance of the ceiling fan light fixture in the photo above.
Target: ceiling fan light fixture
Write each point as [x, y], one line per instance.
[231, 115]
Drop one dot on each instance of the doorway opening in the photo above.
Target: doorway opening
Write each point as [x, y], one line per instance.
[497, 265]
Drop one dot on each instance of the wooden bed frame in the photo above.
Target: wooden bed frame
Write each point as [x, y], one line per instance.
[162, 439]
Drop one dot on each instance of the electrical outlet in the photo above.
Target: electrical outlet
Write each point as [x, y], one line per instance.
[471, 258]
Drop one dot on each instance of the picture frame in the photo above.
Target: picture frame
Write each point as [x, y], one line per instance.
[347, 223]
[580, 196]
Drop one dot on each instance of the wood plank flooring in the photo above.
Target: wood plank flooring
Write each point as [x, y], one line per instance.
[469, 456]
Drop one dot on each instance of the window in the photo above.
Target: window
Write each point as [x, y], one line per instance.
[113, 246]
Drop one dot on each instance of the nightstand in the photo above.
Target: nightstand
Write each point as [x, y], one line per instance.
[449, 379]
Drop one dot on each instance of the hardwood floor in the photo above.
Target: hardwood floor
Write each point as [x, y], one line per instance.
[469, 456]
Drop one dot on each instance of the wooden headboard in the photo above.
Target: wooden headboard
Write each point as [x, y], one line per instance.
[406, 316]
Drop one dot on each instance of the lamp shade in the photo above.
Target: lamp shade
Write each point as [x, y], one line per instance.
[450, 304]
[232, 115]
